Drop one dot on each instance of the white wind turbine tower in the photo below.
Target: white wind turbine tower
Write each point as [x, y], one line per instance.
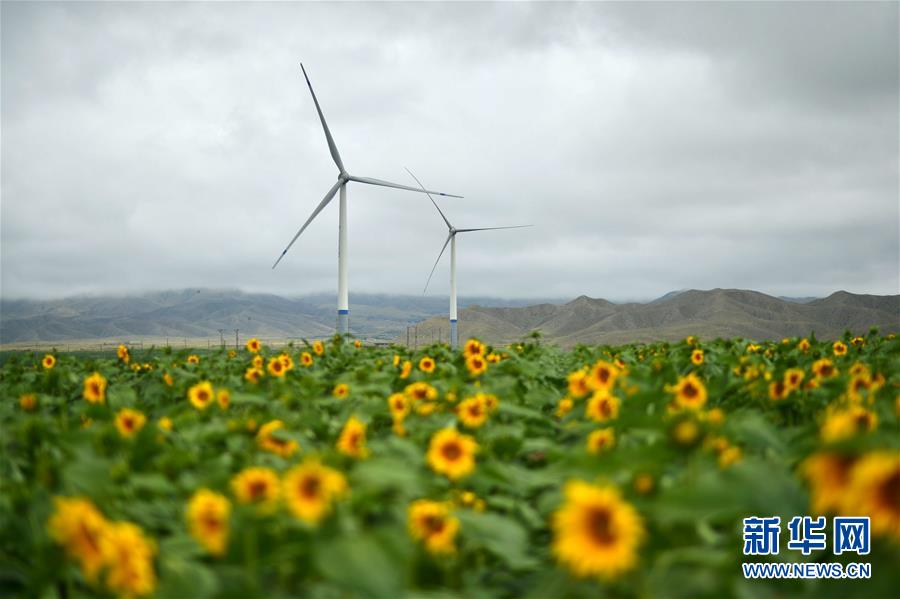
[451, 239]
[343, 319]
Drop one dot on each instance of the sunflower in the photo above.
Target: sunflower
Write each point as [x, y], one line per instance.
[793, 377]
[779, 390]
[690, 340]
[473, 347]
[253, 345]
[276, 367]
[601, 440]
[95, 388]
[207, 516]
[602, 376]
[396, 360]
[824, 369]
[398, 405]
[451, 453]
[472, 411]
[828, 475]
[427, 364]
[432, 523]
[78, 526]
[274, 444]
[803, 345]
[839, 348]
[165, 424]
[690, 392]
[28, 402]
[232, 353]
[287, 361]
[863, 385]
[167, 379]
[596, 532]
[843, 423]
[48, 362]
[201, 395]
[476, 364]
[405, 369]
[578, 384]
[122, 353]
[193, 359]
[257, 486]
[714, 416]
[253, 375]
[129, 422]
[858, 341]
[686, 432]
[128, 555]
[310, 489]
[697, 357]
[223, 398]
[357, 344]
[306, 359]
[729, 455]
[493, 358]
[421, 392]
[564, 406]
[258, 362]
[352, 441]
[875, 491]
[341, 390]
[602, 406]
[318, 348]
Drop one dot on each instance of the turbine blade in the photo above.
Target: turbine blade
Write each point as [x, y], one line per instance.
[371, 181]
[334, 151]
[449, 235]
[492, 228]
[328, 197]
[449, 226]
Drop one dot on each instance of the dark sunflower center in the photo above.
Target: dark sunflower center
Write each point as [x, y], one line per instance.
[605, 408]
[203, 396]
[889, 493]
[127, 422]
[433, 524]
[257, 489]
[310, 486]
[689, 390]
[452, 451]
[211, 523]
[353, 440]
[599, 524]
[603, 375]
[95, 388]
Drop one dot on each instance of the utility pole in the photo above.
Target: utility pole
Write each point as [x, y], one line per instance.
[236, 339]
[222, 338]
[417, 337]
[407, 336]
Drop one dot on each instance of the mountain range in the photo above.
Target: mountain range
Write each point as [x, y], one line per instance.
[200, 313]
[709, 314]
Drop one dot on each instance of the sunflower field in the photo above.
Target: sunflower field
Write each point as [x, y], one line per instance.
[332, 469]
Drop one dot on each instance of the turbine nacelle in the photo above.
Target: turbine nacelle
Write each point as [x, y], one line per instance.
[343, 176]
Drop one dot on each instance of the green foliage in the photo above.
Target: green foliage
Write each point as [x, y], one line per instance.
[528, 448]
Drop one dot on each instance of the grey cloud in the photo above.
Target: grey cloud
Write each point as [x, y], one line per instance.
[655, 146]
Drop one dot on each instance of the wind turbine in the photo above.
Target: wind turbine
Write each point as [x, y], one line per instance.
[343, 319]
[451, 239]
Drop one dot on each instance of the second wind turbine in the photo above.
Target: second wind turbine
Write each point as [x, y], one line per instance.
[451, 239]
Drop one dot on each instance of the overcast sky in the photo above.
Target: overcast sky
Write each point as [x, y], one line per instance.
[653, 146]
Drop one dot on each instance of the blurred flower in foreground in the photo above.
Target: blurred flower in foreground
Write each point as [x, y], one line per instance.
[207, 516]
[311, 488]
[596, 532]
[431, 523]
[451, 453]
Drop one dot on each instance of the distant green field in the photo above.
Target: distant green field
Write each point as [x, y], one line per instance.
[526, 470]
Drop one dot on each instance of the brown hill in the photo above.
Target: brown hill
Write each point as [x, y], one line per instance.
[710, 314]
